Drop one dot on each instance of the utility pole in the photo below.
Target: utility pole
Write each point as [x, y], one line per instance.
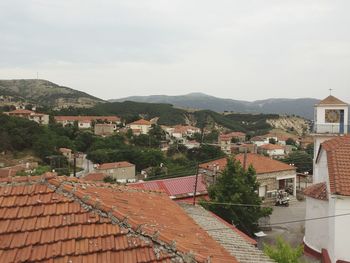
[245, 159]
[195, 185]
[197, 167]
[75, 164]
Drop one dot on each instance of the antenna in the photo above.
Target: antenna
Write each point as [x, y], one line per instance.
[330, 91]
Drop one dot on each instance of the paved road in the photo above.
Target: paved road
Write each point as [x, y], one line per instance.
[293, 233]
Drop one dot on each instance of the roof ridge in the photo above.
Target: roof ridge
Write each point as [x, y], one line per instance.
[69, 189]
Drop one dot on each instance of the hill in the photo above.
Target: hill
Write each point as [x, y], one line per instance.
[169, 115]
[45, 93]
[302, 107]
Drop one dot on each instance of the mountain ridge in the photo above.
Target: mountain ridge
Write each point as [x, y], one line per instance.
[300, 106]
[45, 93]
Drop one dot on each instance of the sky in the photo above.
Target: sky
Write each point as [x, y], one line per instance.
[245, 50]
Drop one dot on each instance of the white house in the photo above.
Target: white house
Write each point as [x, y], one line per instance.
[140, 126]
[272, 150]
[30, 115]
[259, 140]
[329, 196]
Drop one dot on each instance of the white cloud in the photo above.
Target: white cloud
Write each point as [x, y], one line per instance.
[238, 49]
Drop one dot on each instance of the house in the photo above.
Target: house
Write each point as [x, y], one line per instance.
[30, 115]
[329, 197]
[140, 126]
[272, 175]
[60, 219]
[259, 140]
[70, 155]
[190, 144]
[86, 122]
[183, 131]
[225, 140]
[243, 147]
[104, 129]
[180, 189]
[120, 171]
[272, 150]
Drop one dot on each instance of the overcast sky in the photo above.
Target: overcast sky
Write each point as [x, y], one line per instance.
[233, 49]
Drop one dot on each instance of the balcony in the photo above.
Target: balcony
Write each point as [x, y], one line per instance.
[333, 128]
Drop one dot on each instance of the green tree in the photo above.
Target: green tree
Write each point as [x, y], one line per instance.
[272, 141]
[301, 160]
[282, 252]
[237, 186]
[205, 152]
[291, 141]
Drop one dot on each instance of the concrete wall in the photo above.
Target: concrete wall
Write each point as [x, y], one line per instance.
[121, 174]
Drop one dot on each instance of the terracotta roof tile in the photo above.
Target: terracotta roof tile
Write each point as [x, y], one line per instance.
[260, 163]
[271, 146]
[66, 219]
[338, 159]
[114, 165]
[140, 122]
[317, 191]
[331, 100]
[94, 177]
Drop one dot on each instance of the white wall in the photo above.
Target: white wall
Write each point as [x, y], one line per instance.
[143, 128]
[316, 231]
[320, 115]
[342, 229]
[321, 170]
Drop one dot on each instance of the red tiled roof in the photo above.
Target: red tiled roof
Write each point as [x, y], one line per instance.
[331, 100]
[141, 122]
[257, 139]
[317, 191]
[11, 171]
[114, 165]
[338, 159]
[87, 118]
[260, 163]
[21, 111]
[95, 177]
[271, 146]
[229, 136]
[177, 187]
[59, 219]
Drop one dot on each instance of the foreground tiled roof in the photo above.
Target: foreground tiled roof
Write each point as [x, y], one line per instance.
[95, 177]
[331, 100]
[317, 191]
[176, 187]
[338, 159]
[260, 163]
[237, 243]
[57, 219]
[114, 165]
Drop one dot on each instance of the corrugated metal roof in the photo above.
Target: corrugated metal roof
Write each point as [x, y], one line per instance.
[177, 187]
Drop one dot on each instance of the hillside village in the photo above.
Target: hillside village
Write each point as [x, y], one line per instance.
[180, 168]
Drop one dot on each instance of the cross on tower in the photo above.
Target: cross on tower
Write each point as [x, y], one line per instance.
[330, 91]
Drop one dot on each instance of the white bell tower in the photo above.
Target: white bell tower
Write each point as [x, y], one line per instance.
[330, 120]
